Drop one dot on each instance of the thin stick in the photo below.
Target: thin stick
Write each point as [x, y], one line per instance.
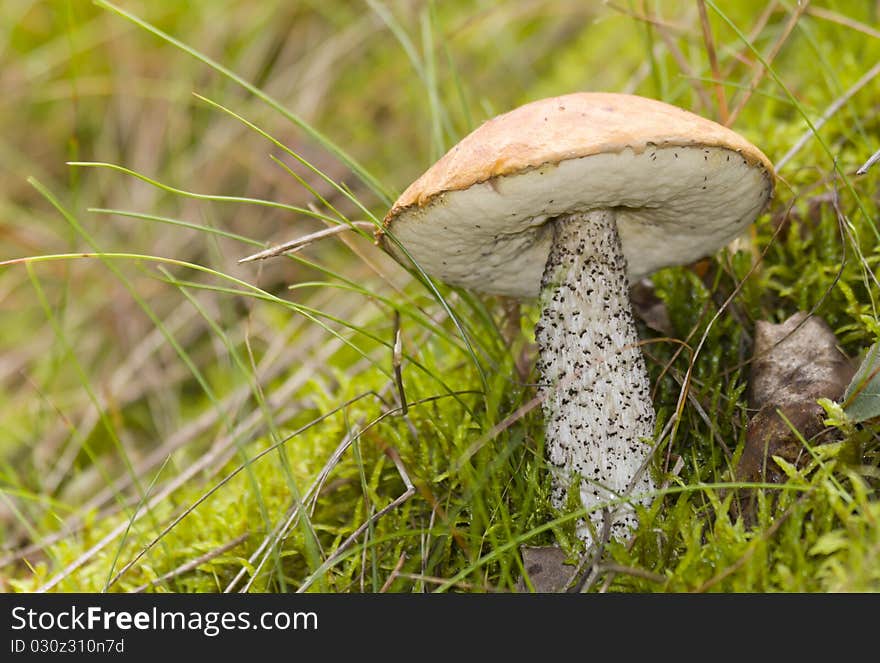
[645, 17]
[280, 530]
[435, 580]
[756, 31]
[676, 470]
[409, 492]
[874, 157]
[588, 577]
[834, 17]
[685, 66]
[761, 68]
[632, 571]
[301, 242]
[284, 526]
[187, 474]
[193, 563]
[394, 573]
[709, 40]
[869, 76]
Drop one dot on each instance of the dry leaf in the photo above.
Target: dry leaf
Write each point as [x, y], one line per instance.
[794, 364]
[649, 308]
[546, 569]
[862, 396]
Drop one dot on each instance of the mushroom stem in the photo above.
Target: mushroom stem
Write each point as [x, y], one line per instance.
[594, 385]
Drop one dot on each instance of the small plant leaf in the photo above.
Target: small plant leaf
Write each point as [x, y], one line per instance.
[862, 397]
[790, 469]
[830, 543]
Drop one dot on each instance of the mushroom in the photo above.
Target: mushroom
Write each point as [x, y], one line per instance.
[570, 199]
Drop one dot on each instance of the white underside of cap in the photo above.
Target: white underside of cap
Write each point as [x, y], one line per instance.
[674, 205]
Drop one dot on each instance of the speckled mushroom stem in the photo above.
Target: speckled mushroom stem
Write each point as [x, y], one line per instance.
[594, 385]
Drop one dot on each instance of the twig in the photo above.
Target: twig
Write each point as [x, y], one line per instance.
[846, 231]
[280, 531]
[756, 31]
[364, 550]
[761, 67]
[394, 573]
[589, 577]
[685, 66]
[194, 563]
[409, 492]
[284, 526]
[619, 569]
[187, 474]
[676, 470]
[834, 17]
[442, 581]
[695, 402]
[645, 18]
[870, 75]
[874, 157]
[484, 439]
[709, 40]
[301, 242]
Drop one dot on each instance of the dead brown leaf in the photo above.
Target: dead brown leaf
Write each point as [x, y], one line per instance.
[649, 308]
[546, 569]
[794, 364]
